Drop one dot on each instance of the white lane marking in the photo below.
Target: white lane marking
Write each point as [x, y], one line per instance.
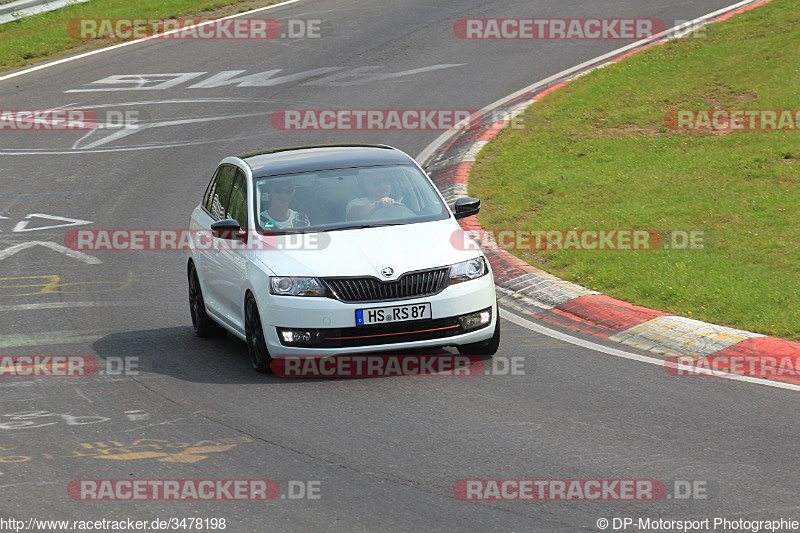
[50, 337]
[23, 420]
[23, 224]
[113, 136]
[137, 414]
[365, 78]
[158, 82]
[63, 305]
[172, 101]
[76, 149]
[288, 2]
[128, 130]
[82, 395]
[141, 82]
[128, 43]
[525, 323]
[166, 422]
[441, 139]
[29, 483]
[80, 256]
[150, 146]
[25, 9]
[15, 200]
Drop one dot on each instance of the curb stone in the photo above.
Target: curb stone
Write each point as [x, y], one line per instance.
[543, 296]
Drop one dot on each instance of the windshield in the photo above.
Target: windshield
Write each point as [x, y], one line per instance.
[346, 198]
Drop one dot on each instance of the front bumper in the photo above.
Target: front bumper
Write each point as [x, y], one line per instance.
[334, 323]
[380, 334]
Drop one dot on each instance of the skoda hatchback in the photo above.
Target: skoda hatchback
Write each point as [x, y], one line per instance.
[326, 250]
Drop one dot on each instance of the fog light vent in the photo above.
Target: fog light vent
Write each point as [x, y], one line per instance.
[299, 337]
[476, 320]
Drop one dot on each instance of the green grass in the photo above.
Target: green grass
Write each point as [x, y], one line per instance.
[597, 154]
[44, 36]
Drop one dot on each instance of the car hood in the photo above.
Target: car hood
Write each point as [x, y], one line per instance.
[366, 251]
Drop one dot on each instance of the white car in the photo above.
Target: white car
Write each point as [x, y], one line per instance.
[327, 250]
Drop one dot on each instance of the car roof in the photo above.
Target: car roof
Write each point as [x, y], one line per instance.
[322, 157]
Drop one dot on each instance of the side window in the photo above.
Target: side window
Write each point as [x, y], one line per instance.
[237, 209]
[220, 192]
[210, 189]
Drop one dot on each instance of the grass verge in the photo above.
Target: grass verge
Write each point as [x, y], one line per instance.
[598, 154]
[44, 36]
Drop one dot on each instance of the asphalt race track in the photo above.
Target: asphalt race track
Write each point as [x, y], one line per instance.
[379, 454]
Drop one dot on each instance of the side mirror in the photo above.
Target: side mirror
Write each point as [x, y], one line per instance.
[228, 229]
[466, 207]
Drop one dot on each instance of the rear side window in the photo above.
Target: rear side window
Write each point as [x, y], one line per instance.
[237, 208]
[212, 185]
[220, 192]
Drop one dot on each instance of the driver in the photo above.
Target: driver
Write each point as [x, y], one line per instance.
[377, 190]
[279, 215]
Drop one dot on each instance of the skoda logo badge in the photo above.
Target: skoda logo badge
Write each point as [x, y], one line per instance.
[387, 272]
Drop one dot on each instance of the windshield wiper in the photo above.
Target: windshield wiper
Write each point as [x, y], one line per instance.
[362, 226]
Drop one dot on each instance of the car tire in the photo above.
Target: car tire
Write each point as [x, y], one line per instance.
[203, 325]
[256, 343]
[486, 348]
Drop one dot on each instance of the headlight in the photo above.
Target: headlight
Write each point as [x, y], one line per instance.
[293, 286]
[467, 270]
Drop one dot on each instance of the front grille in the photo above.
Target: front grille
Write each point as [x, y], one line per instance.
[371, 289]
[418, 330]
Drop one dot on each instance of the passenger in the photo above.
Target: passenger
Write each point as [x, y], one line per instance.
[279, 215]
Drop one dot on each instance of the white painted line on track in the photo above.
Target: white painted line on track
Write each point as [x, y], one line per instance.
[444, 136]
[62, 305]
[520, 321]
[441, 139]
[128, 43]
[525, 323]
[80, 256]
[51, 337]
[26, 9]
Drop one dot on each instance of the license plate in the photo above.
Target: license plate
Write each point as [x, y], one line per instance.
[399, 313]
